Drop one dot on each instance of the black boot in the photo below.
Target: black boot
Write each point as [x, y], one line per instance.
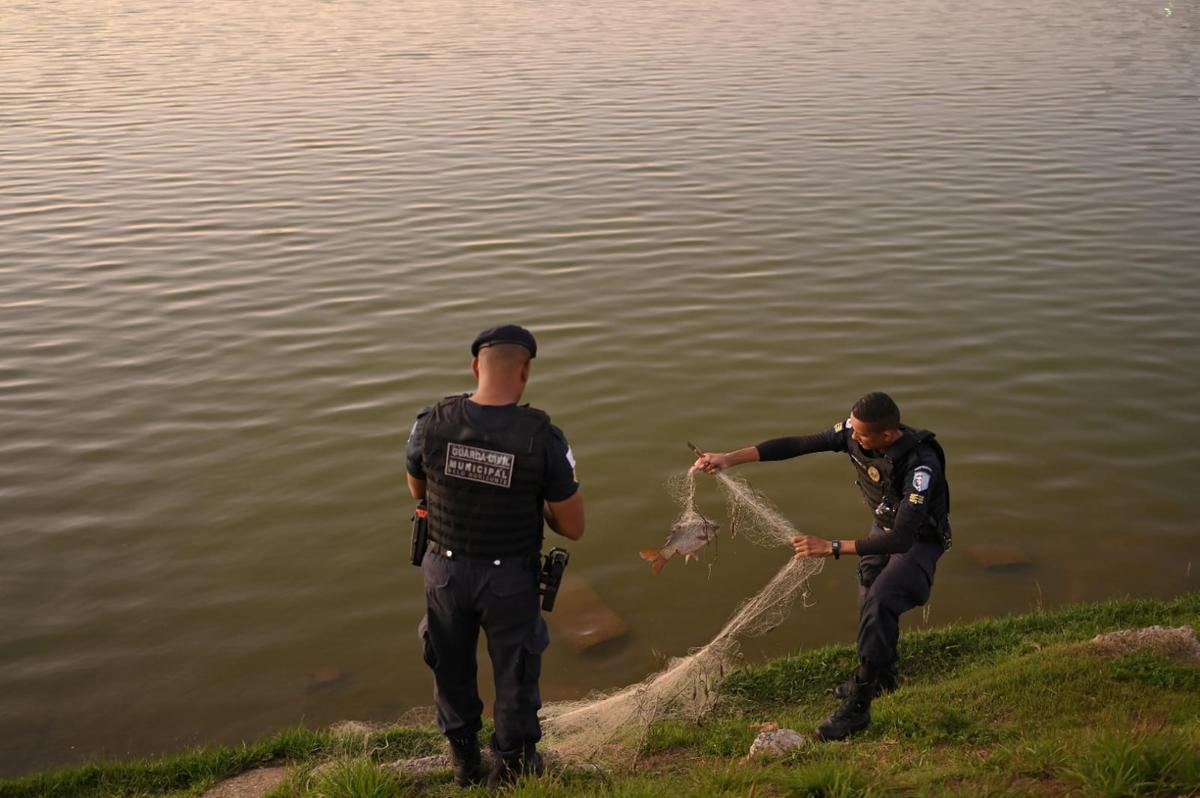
[465, 758]
[888, 682]
[504, 771]
[531, 761]
[508, 767]
[853, 715]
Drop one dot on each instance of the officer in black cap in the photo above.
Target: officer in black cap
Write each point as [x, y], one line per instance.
[902, 475]
[492, 472]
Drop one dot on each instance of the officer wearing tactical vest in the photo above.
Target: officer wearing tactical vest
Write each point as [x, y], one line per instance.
[901, 473]
[491, 471]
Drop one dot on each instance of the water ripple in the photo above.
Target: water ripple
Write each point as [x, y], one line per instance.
[242, 244]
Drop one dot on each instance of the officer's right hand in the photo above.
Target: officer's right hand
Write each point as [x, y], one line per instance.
[711, 462]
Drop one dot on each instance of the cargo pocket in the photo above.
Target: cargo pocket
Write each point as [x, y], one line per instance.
[869, 568]
[921, 590]
[435, 572]
[927, 554]
[531, 657]
[427, 652]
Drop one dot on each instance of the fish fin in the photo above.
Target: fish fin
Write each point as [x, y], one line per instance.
[658, 564]
[649, 554]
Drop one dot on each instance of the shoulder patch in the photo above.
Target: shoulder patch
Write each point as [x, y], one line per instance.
[922, 478]
[841, 425]
[558, 435]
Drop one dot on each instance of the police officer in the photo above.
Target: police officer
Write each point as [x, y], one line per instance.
[901, 473]
[492, 472]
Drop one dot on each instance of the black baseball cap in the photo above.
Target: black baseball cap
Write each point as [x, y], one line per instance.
[505, 334]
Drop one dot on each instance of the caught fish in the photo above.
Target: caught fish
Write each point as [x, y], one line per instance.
[687, 537]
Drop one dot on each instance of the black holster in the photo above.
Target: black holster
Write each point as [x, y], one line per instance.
[553, 565]
[420, 533]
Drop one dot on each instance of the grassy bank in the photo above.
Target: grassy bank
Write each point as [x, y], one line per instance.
[1016, 706]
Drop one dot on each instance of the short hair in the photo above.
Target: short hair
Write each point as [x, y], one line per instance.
[510, 356]
[877, 409]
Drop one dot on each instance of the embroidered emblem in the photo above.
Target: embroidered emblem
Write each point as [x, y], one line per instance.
[916, 498]
[479, 465]
[922, 476]
[873, 473]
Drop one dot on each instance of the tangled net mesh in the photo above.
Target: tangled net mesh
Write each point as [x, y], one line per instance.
[688, 687]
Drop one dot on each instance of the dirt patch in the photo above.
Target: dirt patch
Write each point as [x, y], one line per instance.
[883, 750]
[1177, 643]
[423, 767]
[251, 784]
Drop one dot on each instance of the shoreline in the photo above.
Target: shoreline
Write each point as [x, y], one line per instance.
[1024, 704]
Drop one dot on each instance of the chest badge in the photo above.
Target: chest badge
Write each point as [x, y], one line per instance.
[873, 473]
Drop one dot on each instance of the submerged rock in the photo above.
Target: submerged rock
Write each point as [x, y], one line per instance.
[581, 616]
[994, 556]
[327, 677]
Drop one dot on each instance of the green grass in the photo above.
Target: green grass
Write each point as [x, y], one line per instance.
[1008, 707]
[360, 777]
[192, 772]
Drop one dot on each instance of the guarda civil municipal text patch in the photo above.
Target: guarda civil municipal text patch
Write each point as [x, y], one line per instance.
[479, 465]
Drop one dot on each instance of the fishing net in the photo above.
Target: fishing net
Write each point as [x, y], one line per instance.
[687, 687]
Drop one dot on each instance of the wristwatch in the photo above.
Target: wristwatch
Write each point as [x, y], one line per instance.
[837, 549]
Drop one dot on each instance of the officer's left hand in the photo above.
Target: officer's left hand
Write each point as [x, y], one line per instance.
[811, 546]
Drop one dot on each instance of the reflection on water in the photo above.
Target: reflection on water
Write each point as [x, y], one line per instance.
[242, 245]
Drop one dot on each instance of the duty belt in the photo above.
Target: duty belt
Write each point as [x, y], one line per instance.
[531, 560]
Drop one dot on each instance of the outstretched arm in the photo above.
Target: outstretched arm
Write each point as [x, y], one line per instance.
[813, 546]
[712, 462]
[774, 449]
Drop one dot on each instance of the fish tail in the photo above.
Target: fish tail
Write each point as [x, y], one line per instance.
[657, 558]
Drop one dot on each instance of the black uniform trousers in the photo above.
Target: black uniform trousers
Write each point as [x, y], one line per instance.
[462, 597]
[889, 586]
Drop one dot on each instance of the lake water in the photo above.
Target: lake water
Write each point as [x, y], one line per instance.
[241, 244]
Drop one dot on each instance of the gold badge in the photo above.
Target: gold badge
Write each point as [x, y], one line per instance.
[873, 473]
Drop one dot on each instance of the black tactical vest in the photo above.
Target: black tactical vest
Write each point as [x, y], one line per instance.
[485, 488]
[880, 477]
